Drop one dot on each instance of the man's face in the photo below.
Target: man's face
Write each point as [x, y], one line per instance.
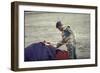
[60, 28]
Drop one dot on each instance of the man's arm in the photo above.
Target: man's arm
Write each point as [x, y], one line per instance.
[58, 45]
[64, 40]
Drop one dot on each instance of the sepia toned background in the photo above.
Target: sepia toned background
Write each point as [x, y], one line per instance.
[40, 26]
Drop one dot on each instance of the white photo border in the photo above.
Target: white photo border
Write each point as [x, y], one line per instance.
[35, 64]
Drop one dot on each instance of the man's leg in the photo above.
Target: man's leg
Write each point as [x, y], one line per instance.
[71, 51]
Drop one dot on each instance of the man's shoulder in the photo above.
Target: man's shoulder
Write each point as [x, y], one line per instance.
[65, 28]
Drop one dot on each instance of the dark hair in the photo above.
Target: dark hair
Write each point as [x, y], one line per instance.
[58, 24]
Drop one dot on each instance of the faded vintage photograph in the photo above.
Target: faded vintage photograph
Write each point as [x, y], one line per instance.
[56, 36]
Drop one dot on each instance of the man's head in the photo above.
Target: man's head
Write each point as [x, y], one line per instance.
[59, 26]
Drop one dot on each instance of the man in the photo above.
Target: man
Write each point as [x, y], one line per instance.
[68, 39]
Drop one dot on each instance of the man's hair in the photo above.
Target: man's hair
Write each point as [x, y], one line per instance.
[58, 24]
